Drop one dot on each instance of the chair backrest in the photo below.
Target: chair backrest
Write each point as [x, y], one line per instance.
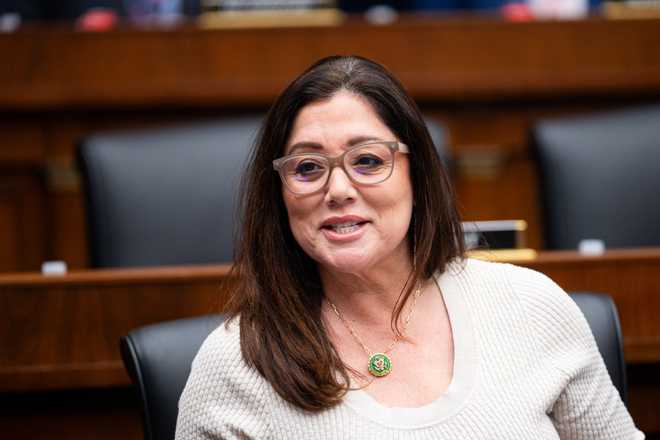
[158, 358]
[600, 176]
[164, 196]
[603, 318]
[438, 136]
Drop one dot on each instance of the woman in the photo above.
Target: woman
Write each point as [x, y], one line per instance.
[357, 315]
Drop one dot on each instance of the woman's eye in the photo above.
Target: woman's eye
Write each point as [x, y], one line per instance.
[367, 161]
[308, 169]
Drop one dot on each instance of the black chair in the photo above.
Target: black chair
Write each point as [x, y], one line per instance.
[158, 358]
[437, 132]
[164, 196]
[600, 177]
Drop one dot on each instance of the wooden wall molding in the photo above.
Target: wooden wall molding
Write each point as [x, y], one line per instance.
[438, 59]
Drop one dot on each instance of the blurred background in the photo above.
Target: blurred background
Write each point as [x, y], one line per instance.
[72, 9]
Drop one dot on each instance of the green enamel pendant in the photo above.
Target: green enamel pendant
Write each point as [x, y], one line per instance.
[379, 365]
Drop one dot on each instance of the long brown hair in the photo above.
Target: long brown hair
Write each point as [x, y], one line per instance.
[279, 293]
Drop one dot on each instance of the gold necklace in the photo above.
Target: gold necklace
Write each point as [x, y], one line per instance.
[379, 364]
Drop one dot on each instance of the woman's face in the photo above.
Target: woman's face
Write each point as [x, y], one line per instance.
[347, 227]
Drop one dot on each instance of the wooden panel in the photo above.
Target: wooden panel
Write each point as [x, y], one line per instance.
[436, 59]
[23, 141]
[506, 190]
[62, 332]
[8, 232]
[22, 222]
[22, 195]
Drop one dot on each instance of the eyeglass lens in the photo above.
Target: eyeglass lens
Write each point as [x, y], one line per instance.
[368, 164]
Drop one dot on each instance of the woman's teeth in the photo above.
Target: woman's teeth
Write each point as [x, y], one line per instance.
[345, 228]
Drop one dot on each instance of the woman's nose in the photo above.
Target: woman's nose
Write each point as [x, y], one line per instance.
[340, 188]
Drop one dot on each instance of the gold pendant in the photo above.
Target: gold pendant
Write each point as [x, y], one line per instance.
[379, 365]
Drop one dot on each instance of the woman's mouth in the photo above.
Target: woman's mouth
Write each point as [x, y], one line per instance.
[344, 228]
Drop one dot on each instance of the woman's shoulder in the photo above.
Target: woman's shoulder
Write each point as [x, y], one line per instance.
[543, 300]
[495, 275]
[220, 353]
[223, 391]
[480, 275]
[551, 317]
[219, 375]
[226, 336]
[219, 365]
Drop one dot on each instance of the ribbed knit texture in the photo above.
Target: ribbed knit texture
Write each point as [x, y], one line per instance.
[539, 376]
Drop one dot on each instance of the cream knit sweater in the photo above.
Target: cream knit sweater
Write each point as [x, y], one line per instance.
[525, 367]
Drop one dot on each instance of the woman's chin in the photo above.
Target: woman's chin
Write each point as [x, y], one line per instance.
[345, 261]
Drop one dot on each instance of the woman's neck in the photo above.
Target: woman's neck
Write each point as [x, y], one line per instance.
[366, 297]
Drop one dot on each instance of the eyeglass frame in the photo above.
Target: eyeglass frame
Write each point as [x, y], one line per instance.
[338, 161]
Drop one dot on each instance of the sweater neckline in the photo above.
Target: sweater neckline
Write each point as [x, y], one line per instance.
[464, 371]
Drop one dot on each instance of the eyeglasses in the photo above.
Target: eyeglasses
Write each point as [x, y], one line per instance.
[366, 164]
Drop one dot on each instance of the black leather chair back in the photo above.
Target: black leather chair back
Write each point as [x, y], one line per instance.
[600, 177]
[437, 132]
[158, 358]
[164, 196]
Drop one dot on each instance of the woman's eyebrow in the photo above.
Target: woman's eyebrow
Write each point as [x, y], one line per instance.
[317, 146]
[362, 139]
[304, 144]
